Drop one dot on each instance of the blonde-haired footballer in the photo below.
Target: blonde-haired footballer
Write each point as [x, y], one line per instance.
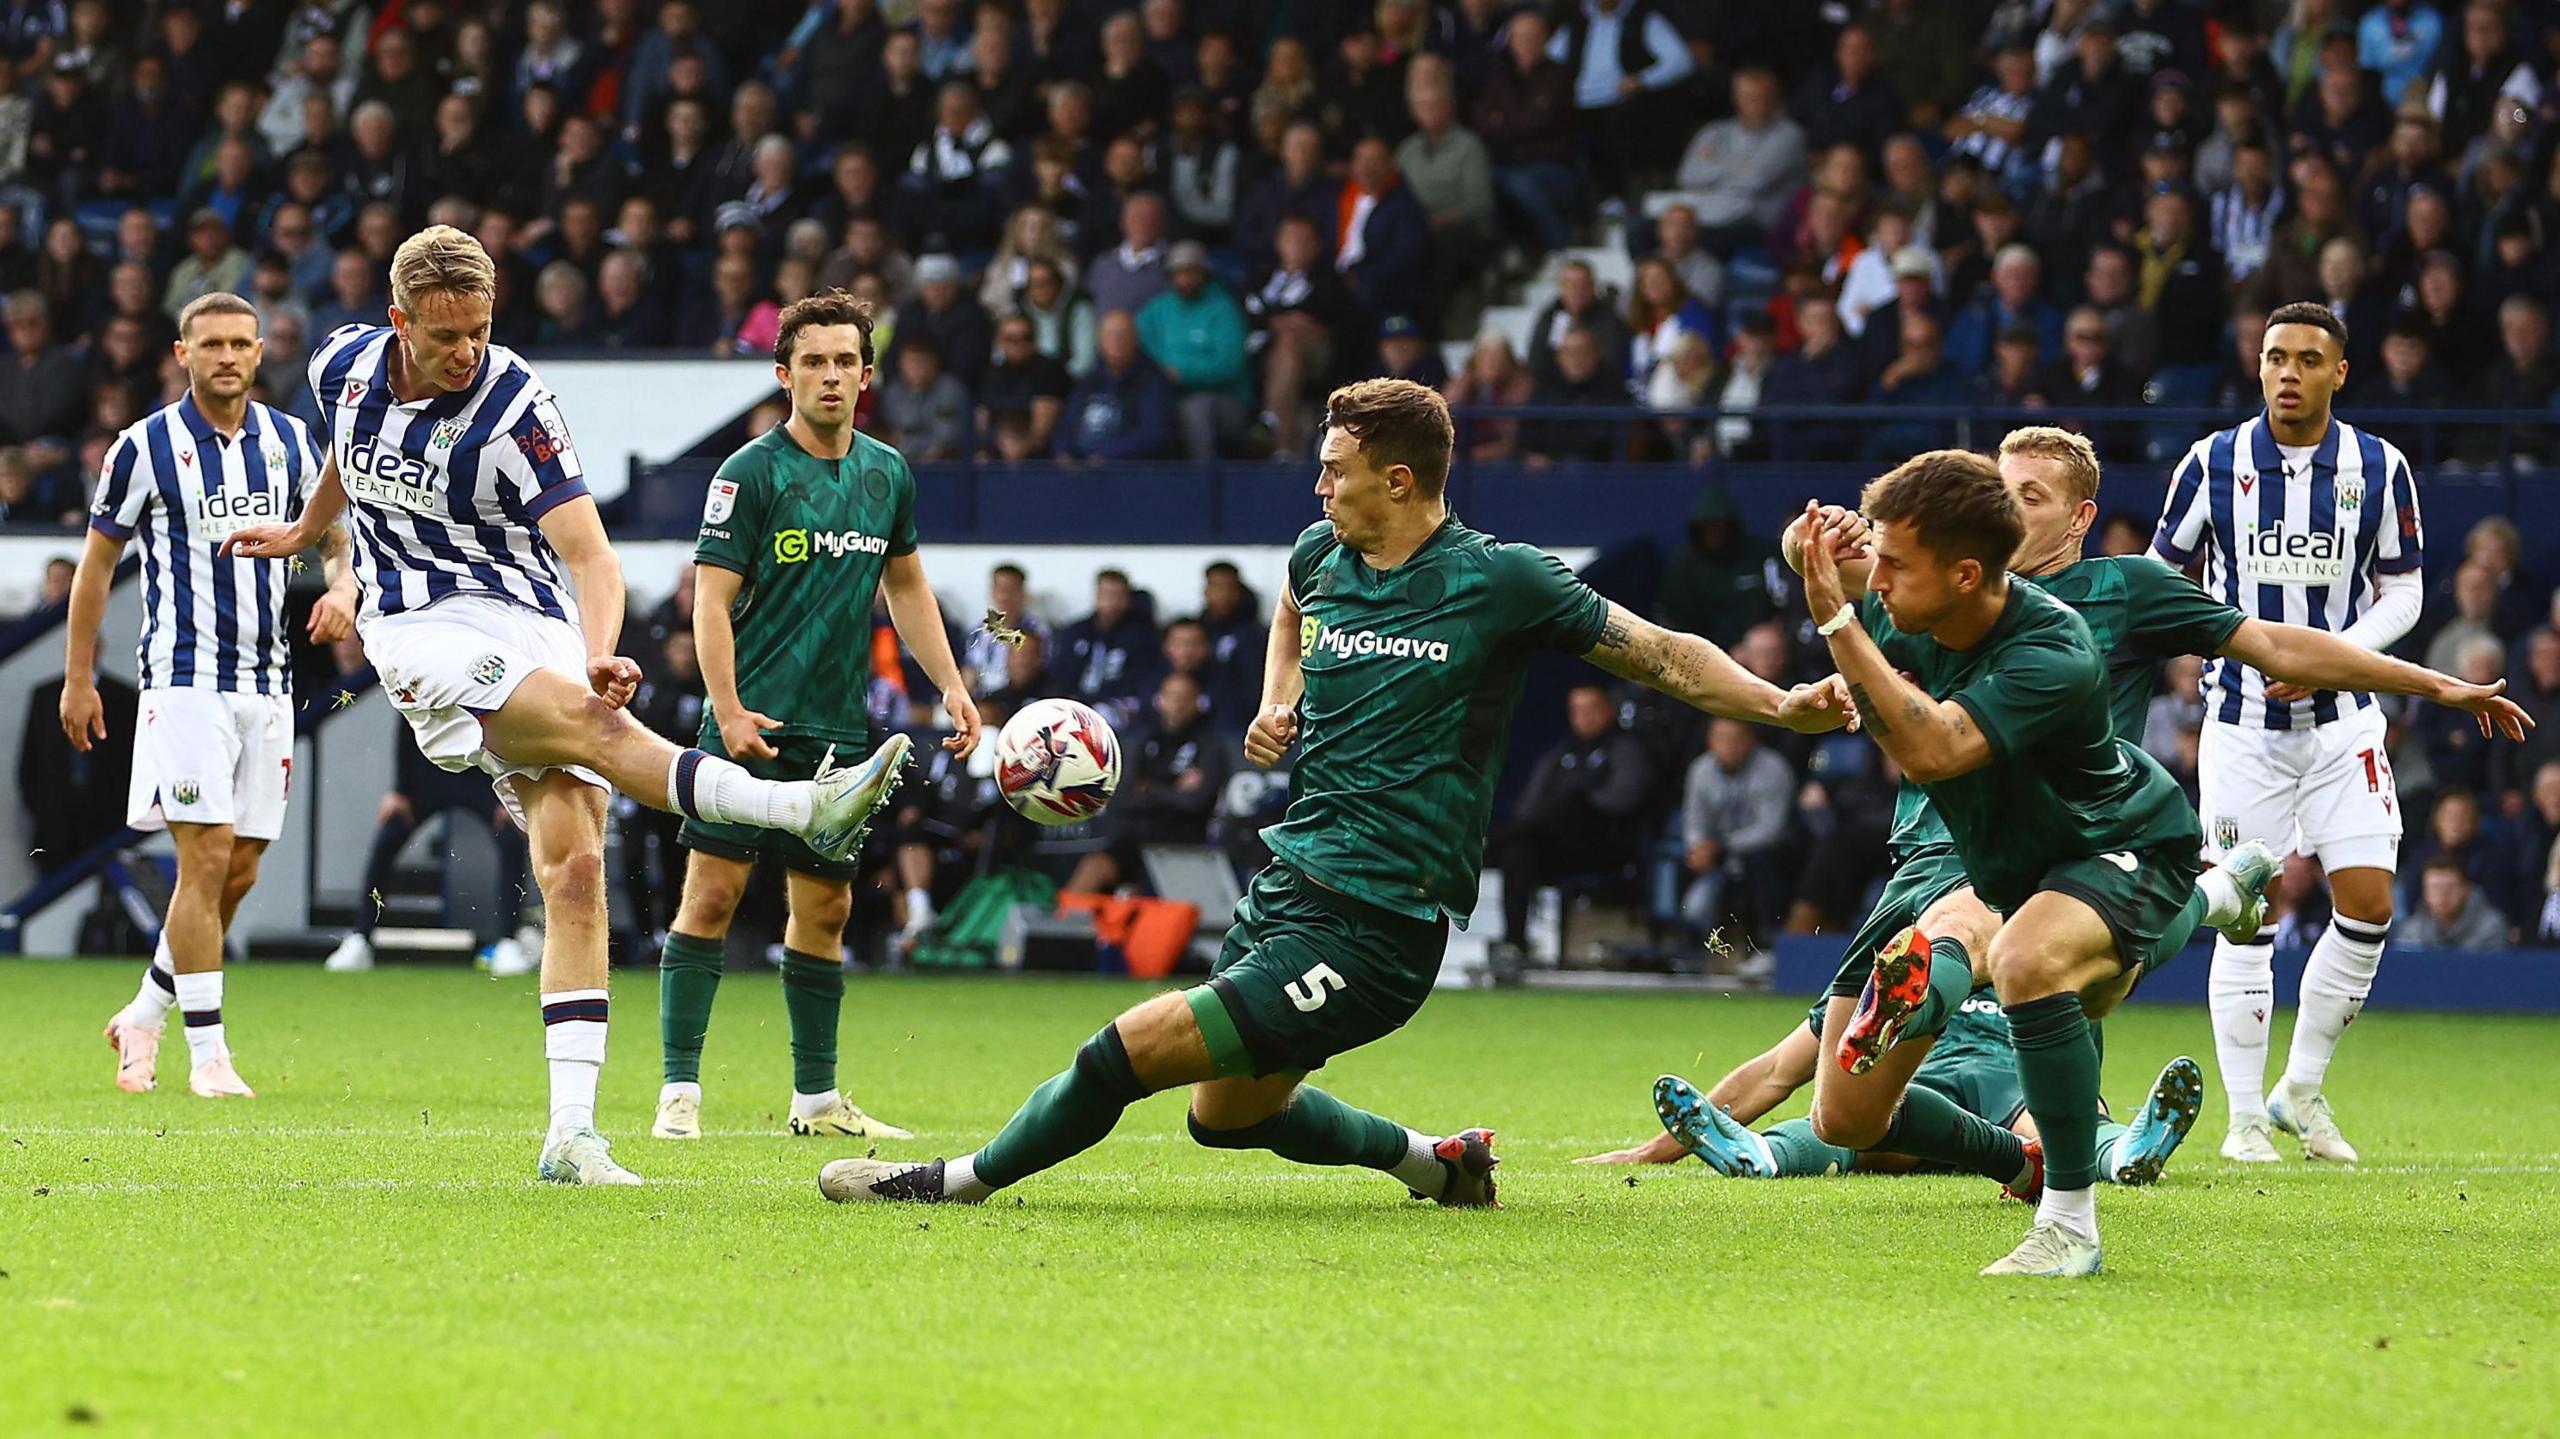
[491, 605]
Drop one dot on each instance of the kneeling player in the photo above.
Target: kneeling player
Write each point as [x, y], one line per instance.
[1400, 645]
[1973, 1065]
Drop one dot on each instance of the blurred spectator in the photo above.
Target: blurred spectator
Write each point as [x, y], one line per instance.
[1384, 239]
[1744, 382]
[2397, 40]
[1919, 375]
[1297, 309]
[2088, 373]
[1578, 305]
[959, 174]
[2170, 725]
[1659, 313]
[2069, 209]
[1203, 172]
[1110, 656]
[1579, 813]
[1175, 775]
[2011, 299]
[1525, 117]
[1914, 295]
[43, 391]
[2469, 88]
[1494, 376]
[1405, 354]
[561, 292]
[212, 264]
[2451, 913]
[1722, 579]
[2521, 379]
[2340, 121]
[1992, 126]
[2243, 212]
[1848, 101]
[946, 310]
[1676, 241]
[74, 798]
[1196, 334]
[1825, 369]
[1298, 187]
[1128, 276]
[1450, 174]
[1230, 619]
[2133, 335]
[2179, 282]
[1735, 812]
[2535, 684]
[2409, 379]
[1685, 380]
[986, 656]
[923, 410]
[1579, 382]
[1060, 318]
[2457, 756]
[2475, 603]
[1022, 383]
[1122, 408]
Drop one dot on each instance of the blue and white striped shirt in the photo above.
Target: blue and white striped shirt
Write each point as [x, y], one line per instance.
[445, 494]
[184, 486]
[2298, 535]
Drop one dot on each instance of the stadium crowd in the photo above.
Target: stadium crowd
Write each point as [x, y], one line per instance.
[1098, 231]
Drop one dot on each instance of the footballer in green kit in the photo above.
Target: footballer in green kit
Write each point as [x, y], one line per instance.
[801, 528]
[1397, 656]
[2137, 612]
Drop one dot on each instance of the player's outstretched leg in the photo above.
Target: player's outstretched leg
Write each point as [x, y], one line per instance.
[1305, 1125]
[2136, 1153]
[1916, 984]
[1724, 1143]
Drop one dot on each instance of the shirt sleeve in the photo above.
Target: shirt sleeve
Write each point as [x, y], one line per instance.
[2028, 691]
[2183, 521]
[538, 462]
[2401, 548]
[1544, 602]
[902, 530]
[2172, 615]
[124, 493]
[733, 515]
[1305, 555]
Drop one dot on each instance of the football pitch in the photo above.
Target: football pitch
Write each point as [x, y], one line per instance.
[363, 1249]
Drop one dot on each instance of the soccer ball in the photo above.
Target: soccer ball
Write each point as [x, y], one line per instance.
[1057, 762]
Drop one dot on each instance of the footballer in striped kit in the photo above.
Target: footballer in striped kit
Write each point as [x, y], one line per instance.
[2300, 517]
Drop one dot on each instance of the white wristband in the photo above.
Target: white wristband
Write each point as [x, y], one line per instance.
[1838, 622]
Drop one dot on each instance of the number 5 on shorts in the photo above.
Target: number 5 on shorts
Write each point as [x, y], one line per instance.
[1310, 990]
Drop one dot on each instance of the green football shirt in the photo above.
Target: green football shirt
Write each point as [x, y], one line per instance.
[1412, 676]
[811, 538]
[2141, 613]
[2060, 785]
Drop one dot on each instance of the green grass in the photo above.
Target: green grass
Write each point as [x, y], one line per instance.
[362, 1249]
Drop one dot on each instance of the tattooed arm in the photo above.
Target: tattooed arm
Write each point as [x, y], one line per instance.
[1699, 674]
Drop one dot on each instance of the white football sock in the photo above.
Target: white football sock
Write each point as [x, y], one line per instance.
[960, 1179]
[2334, 986]
[810, 1106]
[706, 787]
[2241, 993]
[686, 1087]
[2073, 1209]
[1421, 1170]
[159, 992]
[200, 997]
[573, 1035]
[2223, 900]
[919, 909]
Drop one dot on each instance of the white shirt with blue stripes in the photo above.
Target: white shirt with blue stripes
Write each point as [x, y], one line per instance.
[445, 494]
[183, 487]
[2301, 535]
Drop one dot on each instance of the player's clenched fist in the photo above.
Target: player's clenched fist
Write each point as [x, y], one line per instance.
[1272, 732]
[613, 678]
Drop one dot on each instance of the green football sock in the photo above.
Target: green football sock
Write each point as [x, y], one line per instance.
[1932, 1128]
[2175, 937]
[813, 994]
[1064, 1117]
[688, 980]
[1317, 1128]
[2058, 1068]
[1799, 1152]
[1950, 980]
[2110, 1134]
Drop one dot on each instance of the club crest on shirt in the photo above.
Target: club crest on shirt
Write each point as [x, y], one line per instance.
[275, 462]
[488, 670]
[186, 791]
[448, 434]
[2226, 833]
[2350, 493]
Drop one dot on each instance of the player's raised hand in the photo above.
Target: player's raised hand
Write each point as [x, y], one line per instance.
[2488, 704]
[613, 678]
[1847, 530]
[963, 739]
[1819, 708]
[1823, 593]
[1271, 734]
[333, 618]
[266, 542]
[84, 715]
[742, 735]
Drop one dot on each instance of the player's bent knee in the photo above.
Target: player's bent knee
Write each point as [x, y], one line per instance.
[1104, 1062]
[574, 880]
[1847, 1126]
[827, 911]
[1207, 1138]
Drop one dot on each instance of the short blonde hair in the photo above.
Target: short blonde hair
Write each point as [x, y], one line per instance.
[2078, 458]
[441, 257]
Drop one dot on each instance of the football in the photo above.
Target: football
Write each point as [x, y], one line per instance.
[1057, 762]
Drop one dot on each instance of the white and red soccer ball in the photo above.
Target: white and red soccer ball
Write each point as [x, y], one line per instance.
[1057, 762]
